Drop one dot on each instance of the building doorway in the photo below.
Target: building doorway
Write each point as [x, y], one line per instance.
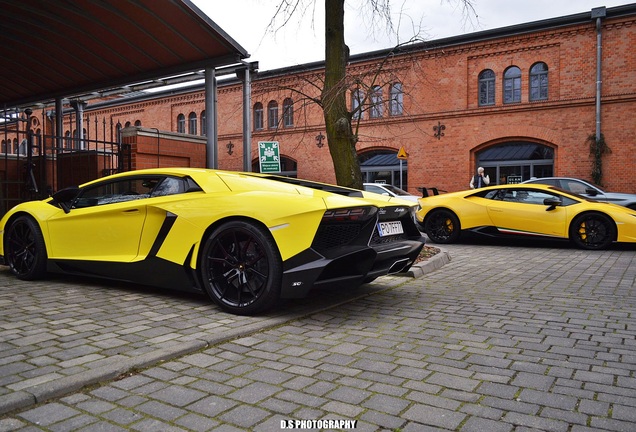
[383, 166]
[514, 162]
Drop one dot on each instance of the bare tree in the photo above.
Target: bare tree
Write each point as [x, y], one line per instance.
[333, 97]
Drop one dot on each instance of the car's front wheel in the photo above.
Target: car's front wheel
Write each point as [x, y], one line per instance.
[241, 268]
[442, 226]
[592, 231]
[24, 249]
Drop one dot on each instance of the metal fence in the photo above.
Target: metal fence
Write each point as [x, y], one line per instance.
[33, 164]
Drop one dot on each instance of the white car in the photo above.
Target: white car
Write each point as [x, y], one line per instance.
[390, 190]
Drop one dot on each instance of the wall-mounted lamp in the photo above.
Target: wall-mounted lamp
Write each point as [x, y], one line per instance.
[319, 140]
[229, 146]
[438, 130]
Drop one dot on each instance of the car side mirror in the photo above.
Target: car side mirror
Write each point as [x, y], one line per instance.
[65, 197]
[552, 203]
[590, 191]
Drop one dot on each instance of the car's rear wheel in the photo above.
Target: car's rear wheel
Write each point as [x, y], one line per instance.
[442, 226]
[24, 249]
[592, 231]
[241, 268]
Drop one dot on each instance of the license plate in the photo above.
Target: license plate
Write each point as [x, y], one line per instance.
[390, 228]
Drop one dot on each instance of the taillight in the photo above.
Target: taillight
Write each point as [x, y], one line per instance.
[349, 214]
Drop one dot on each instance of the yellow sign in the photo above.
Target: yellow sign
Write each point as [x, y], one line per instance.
[402, 154]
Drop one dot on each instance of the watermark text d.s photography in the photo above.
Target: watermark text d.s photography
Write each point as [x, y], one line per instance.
[318, 424]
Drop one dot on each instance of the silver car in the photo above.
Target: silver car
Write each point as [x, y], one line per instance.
[588, 190]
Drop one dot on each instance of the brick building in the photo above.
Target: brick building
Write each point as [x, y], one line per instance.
[521, 101]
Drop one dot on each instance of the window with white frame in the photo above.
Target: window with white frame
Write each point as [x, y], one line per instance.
[396, 103]
[375, 107]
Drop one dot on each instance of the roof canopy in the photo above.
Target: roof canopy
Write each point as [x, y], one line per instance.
[53, 49]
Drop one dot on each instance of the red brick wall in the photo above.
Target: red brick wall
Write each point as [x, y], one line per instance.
[440, 85]
[153, 149]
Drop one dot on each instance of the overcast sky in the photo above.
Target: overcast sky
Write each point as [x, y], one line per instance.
[301, 40]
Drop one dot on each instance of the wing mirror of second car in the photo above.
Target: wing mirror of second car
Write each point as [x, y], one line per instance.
[552, 203]
[65, 197]
[591, 192]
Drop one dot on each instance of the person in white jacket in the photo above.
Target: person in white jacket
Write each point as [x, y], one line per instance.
[479, 180]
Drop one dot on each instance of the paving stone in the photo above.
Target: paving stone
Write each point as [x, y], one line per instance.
[544, 341]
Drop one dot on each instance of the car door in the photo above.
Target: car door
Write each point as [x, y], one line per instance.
[105, 223]
[522, 211]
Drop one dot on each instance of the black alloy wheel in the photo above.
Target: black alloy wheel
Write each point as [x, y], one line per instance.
[241, 268]
[592, 231]
[442, 226]
[24, 249]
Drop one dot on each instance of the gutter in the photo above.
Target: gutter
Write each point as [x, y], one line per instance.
[598, 14]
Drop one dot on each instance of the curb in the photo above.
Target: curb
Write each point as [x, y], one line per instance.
[430, 265]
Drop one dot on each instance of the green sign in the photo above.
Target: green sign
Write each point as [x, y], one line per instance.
[269, 156]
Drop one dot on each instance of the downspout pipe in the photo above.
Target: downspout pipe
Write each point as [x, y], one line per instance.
[598, 14]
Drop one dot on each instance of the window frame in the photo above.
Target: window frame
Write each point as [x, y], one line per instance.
[272, 115]
[512, 85]
[357, 104]
[396, 99]
[257, 111]
[204, 129]
[539, 83]
[192, 123]
[486, 87]
[288, 113]
[375, 102]
[181, 123]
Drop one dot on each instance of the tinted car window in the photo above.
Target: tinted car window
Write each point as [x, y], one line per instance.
[574, 186]
[123, 190]
[169, 186]
[525, 196]
[551, 182]
[375, 189]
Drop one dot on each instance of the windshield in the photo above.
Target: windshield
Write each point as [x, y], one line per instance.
[395, 190]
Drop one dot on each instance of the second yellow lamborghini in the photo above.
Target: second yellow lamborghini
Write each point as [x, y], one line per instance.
[526, 210]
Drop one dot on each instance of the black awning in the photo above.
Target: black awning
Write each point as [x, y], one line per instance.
[516, 151]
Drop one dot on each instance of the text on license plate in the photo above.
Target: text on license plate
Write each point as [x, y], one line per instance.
[390, 228]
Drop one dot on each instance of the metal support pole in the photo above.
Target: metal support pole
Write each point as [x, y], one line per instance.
[247, 121]
[211, 118]
[59, 125]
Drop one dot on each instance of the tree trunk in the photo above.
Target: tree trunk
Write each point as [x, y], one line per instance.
[340, 137]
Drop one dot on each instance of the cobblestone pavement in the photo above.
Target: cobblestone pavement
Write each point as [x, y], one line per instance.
[502, 338]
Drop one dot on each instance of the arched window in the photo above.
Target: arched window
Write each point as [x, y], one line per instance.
[272, 115]
[181, 123]
[512, 85]
[357, 100]
[486, 87]
[118, 137]
[192, 123]
[4, 146]
[137, 122]
[204, 127]
[258, 116]
[396, 103]
[288, 112]
[375, 109]
[539, 81]
[127, 124]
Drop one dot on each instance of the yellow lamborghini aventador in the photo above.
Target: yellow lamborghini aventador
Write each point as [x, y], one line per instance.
[526, 210]
[245, 239]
